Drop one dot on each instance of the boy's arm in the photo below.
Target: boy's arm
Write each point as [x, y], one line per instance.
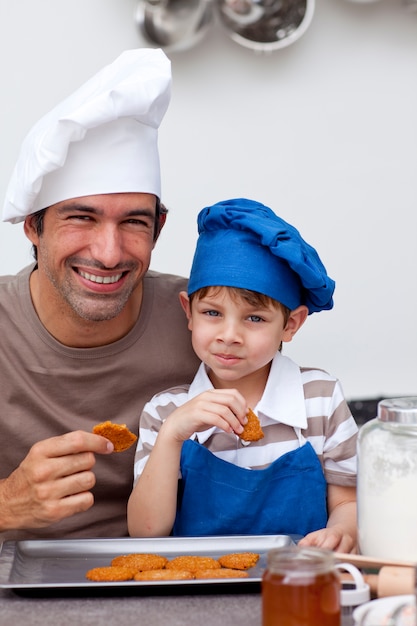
[152, 504]
[340, 533]
[342, 514]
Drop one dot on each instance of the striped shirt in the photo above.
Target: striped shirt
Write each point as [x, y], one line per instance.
[298, 405]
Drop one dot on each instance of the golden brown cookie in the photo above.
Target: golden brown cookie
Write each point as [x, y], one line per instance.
[119, 434]
[140, 562]
[239, 560]
[110, 574]
[192, 563]
[164, 574]
[223, 572]
[252, 430]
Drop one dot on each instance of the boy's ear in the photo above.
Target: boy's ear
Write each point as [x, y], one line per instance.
[296, 319]
[185, 303]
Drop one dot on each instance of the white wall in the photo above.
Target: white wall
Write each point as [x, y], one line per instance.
[324, 132]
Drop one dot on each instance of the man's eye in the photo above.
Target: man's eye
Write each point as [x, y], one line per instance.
[80, 218]
[143, 224]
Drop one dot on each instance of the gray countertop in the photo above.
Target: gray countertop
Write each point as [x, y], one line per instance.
[223, 609]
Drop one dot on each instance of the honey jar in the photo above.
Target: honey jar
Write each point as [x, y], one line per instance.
[300, 587]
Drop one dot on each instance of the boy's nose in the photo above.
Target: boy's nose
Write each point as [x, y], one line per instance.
[229, 332]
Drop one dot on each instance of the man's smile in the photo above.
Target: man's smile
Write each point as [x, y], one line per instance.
[100, 279]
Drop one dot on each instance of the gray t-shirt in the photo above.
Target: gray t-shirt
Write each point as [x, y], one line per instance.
[47, 389]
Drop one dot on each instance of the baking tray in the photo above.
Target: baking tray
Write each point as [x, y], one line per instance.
[62, 564]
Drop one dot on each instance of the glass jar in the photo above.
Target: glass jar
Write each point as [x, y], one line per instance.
[387, 482]
[300, 587]
[355, 591]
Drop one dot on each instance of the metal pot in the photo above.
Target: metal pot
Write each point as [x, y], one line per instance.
[265, 25]
[174, 24]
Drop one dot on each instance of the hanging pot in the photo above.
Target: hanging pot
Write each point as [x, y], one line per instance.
[174, 24]
[265, 25]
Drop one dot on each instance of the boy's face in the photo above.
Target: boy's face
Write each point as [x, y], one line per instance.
[232, 337]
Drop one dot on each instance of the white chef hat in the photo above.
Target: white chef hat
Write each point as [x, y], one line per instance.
[101, 139]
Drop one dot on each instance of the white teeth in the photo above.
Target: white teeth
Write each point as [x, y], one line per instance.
[100, 279]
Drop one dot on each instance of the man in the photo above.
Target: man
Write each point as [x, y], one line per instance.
[88, 334]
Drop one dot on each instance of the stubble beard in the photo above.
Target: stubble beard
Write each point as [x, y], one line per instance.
[95, 308]
[90, 307]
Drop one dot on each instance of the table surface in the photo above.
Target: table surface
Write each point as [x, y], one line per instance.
[211, 609]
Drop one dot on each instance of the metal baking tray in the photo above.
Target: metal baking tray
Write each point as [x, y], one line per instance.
[62, 564]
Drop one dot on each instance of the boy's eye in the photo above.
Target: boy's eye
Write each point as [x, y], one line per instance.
[255, 318]
[211, 313]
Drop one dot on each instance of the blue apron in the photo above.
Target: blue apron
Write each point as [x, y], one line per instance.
[218, 498]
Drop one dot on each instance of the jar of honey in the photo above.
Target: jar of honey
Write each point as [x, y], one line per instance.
[300, 587]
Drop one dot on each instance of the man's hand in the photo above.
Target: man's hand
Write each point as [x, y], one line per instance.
[53, 481]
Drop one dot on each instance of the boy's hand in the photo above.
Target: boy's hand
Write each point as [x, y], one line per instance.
[333, 538]
[224, 408]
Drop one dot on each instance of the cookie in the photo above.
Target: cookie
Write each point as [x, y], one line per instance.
[192, 563]
[164, 574]
[119, 434]
[140, 562]
[223, 572]
[110, 574]
[239, 560]
[252, 430]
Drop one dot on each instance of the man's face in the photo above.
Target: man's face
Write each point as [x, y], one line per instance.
[94, 251]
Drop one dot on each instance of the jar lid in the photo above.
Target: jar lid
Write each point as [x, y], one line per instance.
[401, 410]
[360, 593]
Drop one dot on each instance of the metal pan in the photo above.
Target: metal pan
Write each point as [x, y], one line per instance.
[54, 564]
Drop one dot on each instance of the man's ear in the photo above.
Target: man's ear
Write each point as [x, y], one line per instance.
[30, 230]
[163, 212]
[296, 319]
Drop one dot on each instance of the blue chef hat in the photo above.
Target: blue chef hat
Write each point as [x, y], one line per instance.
[242, 243]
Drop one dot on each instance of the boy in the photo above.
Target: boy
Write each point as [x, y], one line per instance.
[253, 283]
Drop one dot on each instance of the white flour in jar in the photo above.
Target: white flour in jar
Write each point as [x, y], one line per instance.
[387, 495]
